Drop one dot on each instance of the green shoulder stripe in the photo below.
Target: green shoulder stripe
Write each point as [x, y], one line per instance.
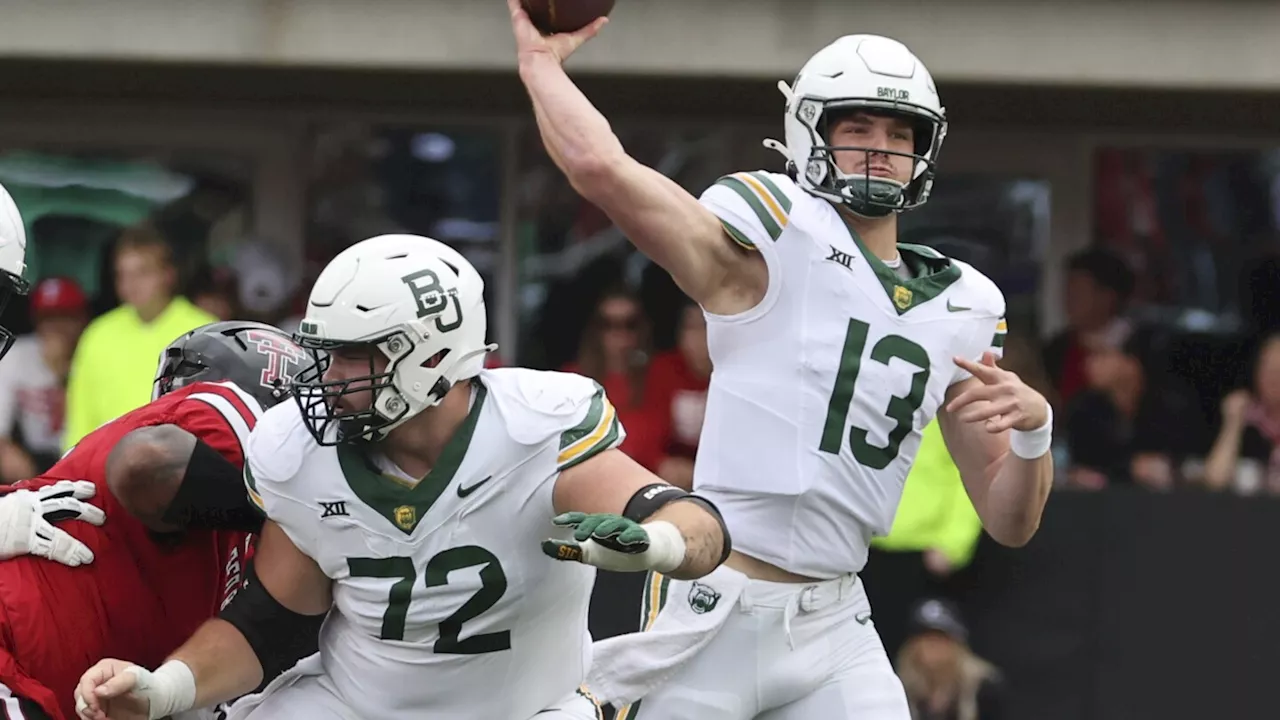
[737, 235]
[772, 219]
[251, 487]
[783, 201]
[598, 431]
[611, 438]
[589, 423]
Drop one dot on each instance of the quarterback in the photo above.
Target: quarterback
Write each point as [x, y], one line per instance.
[165, 478]
[833, 346]
[412, 498]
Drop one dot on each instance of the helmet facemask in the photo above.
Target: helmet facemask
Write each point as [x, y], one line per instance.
[865, 194]
[10, 285]
[388, 407]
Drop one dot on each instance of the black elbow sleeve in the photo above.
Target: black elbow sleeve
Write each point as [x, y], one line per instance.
[279, 636]
[653, 497]
[212, 495]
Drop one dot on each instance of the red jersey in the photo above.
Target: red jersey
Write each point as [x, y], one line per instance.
[678, 397]
[644, 429]
[141, 598]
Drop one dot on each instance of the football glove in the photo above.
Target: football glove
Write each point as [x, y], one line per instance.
[27, 517]
[613, 542]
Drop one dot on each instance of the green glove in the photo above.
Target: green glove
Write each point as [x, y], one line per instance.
[613, 532]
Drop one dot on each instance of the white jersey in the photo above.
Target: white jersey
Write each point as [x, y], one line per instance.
[820, 392]
[444, 604]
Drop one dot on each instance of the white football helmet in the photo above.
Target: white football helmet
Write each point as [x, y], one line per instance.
[861, 72]
[13, 259]
[416, 300]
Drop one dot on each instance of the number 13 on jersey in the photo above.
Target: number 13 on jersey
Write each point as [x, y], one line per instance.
[901, 410]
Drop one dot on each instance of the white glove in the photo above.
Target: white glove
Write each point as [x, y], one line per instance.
[26, 518]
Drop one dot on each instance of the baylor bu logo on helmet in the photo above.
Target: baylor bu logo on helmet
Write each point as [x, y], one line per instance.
[415, 307]
[284, 357]
[433, 299]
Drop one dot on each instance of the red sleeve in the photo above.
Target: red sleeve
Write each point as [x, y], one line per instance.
[221, 415]
[662, 380]
[31, 484]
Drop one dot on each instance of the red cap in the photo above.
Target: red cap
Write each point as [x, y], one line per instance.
[58, 296]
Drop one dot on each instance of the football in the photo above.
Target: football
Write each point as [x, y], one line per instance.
[561, 16]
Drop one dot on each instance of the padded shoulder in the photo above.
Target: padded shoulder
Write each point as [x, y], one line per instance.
[569, 410]
[978, 291]
[276, 451]
[753, 207]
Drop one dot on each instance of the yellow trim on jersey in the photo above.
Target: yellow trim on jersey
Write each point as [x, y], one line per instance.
[250, 486]
[604, 434]
[767, 202]
[1002, 329]
[586, 693]
[737, 235]
[779, 215]
[655, 597]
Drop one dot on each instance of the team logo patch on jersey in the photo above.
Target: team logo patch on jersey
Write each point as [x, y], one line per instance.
[406, 517]
[703, 598]
[902, 297]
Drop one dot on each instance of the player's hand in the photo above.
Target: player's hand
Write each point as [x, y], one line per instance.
[110, 691]
[1000, 400]
[27, 517]
[530, 42]
[608, 541]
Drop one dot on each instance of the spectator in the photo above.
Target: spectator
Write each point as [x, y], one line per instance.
[614, 351]
[33, 381]
[1118, 426]
[677, 387]
[114, 364]
[214, 291]
[1098, 288]
[934, 535]
[1249, 434]
[943, 678]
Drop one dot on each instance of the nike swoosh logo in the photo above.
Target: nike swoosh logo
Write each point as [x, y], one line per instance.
[465, 491]
[862, 618]
[956, 308]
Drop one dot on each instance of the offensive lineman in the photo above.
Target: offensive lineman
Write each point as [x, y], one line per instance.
[833, 347]
[409, 495]
[166, 480]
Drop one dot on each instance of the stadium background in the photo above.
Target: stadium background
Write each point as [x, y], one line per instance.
[307, 125]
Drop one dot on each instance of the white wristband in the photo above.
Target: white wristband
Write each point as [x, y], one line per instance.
[170, 688]
[1033, 444]
[666, 546]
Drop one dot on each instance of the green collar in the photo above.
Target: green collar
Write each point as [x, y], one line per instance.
[401, 504]
[932, 272]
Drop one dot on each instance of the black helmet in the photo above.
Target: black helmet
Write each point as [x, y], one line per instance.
[258, 358]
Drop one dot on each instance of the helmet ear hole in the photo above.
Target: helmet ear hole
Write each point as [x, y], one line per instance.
[435, 360]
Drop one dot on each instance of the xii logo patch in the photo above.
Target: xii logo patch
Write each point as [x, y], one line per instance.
[841, 257]
[333, 509]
